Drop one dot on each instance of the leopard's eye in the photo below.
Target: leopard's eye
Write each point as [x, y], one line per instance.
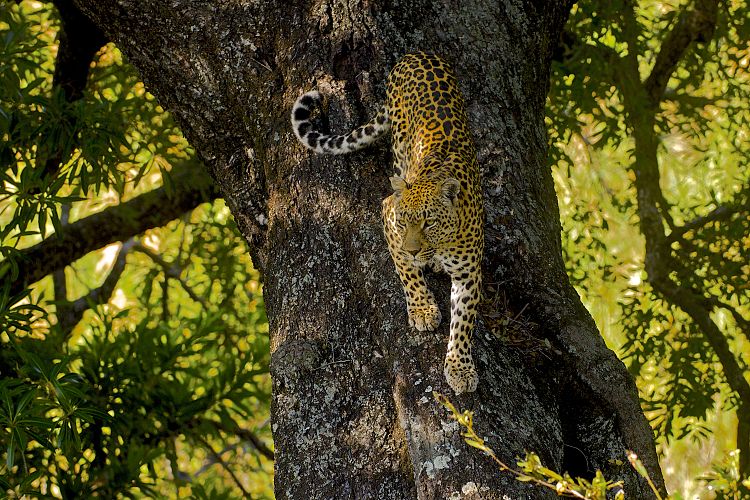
[429, 223]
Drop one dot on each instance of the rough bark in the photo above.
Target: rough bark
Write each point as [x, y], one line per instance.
[353, 414]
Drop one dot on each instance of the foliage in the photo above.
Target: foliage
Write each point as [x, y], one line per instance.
[726, 480]
[158, 389]
[701, 126]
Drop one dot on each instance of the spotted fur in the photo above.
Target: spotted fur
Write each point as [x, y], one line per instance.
[435, 214]
[359, 138]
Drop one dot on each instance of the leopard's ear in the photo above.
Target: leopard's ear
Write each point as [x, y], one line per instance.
[398, 184]
[450, 189]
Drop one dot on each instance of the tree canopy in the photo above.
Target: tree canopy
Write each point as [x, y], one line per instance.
[665, 164]
[141, 352]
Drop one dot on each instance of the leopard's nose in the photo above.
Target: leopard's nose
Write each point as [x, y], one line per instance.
[413, 251]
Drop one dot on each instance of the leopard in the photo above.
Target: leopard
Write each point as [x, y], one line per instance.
[434, 217]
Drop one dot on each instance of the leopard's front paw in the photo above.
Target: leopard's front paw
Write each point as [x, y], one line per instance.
[424, 318]
[460, 373]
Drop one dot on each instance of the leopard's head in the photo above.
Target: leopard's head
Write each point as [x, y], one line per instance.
[425, 214]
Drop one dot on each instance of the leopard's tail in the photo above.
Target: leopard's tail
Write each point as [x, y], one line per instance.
[320, 142]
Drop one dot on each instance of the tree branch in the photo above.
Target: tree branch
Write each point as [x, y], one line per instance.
[65, 319]
[245, 435]
[209, 463]
[192, 187]
[79, 41]
[693, 305]
[722, 212]
[104, 292]
[99, 295]
[641, 111]
[218, 459]
[693, 25]
[171, 271]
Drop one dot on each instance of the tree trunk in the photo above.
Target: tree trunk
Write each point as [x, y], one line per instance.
[353, 412]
